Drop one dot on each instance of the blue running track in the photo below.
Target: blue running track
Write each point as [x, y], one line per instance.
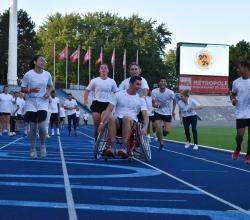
[178, 184]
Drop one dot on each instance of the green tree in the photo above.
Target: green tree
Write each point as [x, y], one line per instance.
[237, 53]
[27, 43]
[170, 62]
[108, 31]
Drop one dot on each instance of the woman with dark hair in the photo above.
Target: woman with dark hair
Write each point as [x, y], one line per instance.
[37, 84]
[102, 88]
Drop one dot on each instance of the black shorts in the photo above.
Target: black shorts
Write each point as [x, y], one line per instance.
[19, 117]
[5, 113]
[25, 118]
[242, 123]
[38, 116]
[99, 107]
[151, 118]
[62, 118]
[165, 118]
[54, 117]
[119, 130]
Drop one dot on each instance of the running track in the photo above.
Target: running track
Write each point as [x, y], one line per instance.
[177, 184]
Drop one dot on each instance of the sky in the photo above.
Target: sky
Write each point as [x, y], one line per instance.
[213, 21]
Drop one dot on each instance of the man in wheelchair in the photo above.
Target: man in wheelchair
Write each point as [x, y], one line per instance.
[126, 105]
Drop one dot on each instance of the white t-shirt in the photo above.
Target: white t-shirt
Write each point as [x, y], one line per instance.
[165, 99]
[86, 116]
[36, 101]
[186, 108]
[6, 103]
[102, 89]
[125, 85]
[21, 103]
[149, 106]
[128, 105]
[62, 112]
[241, 87]
[14, 108]
[71, 104]
[54, 105]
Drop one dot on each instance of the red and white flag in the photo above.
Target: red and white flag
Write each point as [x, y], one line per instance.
[86, 57]
[99, 60]
[62, 55]
[74, 56]
[113, 58]
[124, 60]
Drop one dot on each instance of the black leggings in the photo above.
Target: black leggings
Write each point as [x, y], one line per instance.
[12, 123]
[71, 118]
[187, 121]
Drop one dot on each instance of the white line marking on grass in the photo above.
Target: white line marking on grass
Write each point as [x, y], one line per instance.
[12, 142]
[205, 146]
[196, 188]
[203, 159]
[69, 196]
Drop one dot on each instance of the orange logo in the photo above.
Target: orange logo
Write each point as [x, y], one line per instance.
[204, 60]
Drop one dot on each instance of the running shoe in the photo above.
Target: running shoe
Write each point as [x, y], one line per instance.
[247, 159]
[122, 153]
[195, 147]
[236, 154]
[155, 136]
[33, 154]
[43, 152]
[187, 145]
[161, 146]
[109, 152]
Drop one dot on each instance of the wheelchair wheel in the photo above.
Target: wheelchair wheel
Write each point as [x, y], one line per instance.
[144, 142]
[101, 143]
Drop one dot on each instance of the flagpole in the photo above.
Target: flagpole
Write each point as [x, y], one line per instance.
[54, 67]
[66, 66]
[137, 57]
[125, 66]
[78, 67]
[89, 65]
[102, 55]
[114, 66]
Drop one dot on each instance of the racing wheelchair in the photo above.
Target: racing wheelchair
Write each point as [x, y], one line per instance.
[138, 144]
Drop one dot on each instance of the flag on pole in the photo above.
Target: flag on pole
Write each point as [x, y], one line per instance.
[99, 60]
[86, 57]
[113, 58]
[74, 56]
[62, 55]
[124, 60]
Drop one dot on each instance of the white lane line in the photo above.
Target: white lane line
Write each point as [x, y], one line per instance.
[204, 159]
[196, 188]
[69, 196]
[6, 145]
[191, 185]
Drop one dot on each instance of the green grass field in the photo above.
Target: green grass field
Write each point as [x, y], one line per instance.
[214, 137]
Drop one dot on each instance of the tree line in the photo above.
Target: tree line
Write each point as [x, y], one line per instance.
[96, 30]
